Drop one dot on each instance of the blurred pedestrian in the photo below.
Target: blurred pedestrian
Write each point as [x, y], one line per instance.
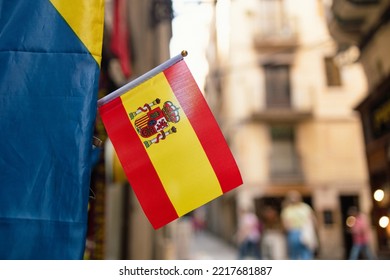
[361, 234]
[299, 223]
[199, 220]
[273, 241]
[248, 235]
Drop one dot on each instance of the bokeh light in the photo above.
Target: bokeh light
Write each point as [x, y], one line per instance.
[384, 222]
[379, 195]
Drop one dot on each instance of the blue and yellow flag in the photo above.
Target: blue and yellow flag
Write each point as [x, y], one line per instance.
[50, 52]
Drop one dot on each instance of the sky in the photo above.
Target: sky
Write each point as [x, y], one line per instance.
[190, 28]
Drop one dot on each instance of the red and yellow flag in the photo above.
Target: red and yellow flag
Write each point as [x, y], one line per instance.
[168, 142]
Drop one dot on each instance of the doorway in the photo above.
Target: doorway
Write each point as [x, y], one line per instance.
[346, 201]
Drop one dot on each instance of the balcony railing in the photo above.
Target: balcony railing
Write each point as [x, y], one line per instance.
[286, 169]
[276, 32]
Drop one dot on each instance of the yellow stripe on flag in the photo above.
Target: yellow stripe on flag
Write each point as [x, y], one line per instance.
[85, 20]
[188, 181]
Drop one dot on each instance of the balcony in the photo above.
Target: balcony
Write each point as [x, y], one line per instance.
[350, 19]
[289, 109]
[285, 115]
[276, 34]
[355, 8]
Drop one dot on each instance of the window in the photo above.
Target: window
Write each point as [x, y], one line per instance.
[333, 77]
[284, 161]
[277, 82]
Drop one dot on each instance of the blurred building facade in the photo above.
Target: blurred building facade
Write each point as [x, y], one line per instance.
[364, 24]
[285, 103]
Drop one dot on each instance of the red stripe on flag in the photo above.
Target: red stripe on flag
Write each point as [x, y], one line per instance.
[138, 168]
[202, 121]
[120, 37]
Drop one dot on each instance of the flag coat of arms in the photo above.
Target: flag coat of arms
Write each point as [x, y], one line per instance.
[50, 52]
[168, 142]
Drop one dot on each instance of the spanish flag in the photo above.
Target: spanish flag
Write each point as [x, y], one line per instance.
[50, 53]
[168, 142]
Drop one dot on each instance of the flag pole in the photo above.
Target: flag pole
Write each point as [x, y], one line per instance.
[142, 78]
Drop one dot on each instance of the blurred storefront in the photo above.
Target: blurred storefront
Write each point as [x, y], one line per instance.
[365, 25]
[136, 39]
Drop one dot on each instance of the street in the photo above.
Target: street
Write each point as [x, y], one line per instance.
[205, 246]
